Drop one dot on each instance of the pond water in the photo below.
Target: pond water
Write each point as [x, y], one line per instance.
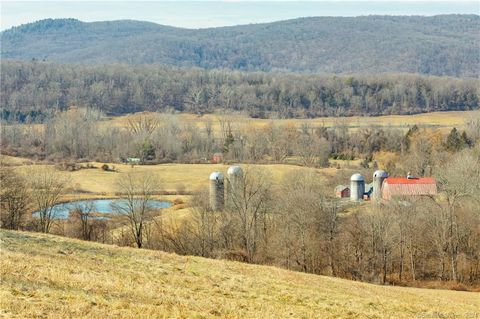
[105, 206]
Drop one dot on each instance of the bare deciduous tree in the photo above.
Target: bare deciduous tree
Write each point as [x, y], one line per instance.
[47, 187]
[137, 190]
[83, 211]
[460, 179]
[14, 199]
[249, 207]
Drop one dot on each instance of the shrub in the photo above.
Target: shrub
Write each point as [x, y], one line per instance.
[178, 201]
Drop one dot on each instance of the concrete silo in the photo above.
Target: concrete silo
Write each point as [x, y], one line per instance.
[378, 178]
[216, 191]
[235, 184]
[357, 187]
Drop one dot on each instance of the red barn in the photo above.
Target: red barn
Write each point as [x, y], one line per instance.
[342, 191]
[404, 186]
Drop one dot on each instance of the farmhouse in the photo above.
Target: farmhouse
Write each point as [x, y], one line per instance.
[408, 186]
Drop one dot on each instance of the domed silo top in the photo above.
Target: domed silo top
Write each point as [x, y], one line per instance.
[380, 173]
[357, 178]
[215, 176]
[234, 170]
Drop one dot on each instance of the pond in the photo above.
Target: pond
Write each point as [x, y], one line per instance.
[104, 206]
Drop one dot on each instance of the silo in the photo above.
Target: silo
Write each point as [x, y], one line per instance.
[216, 191]
[378, 178]
[235, 182]
[357, 187]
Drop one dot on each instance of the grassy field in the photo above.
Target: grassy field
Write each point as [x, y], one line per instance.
[442, 120]
[173, 177]
[445, 120]
[45, 276]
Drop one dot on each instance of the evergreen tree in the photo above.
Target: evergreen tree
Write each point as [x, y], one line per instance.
[454, 141]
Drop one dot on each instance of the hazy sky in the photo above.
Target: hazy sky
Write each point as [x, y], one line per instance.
[202, 14]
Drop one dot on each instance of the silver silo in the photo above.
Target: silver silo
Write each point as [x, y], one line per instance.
[216, 191]
[378, 178]
[234, 183]
[357, 187]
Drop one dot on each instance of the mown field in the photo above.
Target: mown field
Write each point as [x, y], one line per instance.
[45, 276]
[182, 178]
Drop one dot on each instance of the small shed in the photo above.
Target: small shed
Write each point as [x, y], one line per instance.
[217, 158]
[408, 186]
[342, 191]
[133, 160]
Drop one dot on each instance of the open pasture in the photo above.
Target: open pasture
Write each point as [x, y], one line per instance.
[443, 120]
[45, 276]
[181, 178]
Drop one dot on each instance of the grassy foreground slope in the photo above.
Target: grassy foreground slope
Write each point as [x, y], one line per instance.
[44, 276]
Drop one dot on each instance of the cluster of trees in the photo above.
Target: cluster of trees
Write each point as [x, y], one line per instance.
[28, 198]
[34, 91]
[439, 45]
[38, 189]
[81, 134]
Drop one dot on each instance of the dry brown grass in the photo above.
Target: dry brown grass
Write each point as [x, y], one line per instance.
[45, 276]
[445, 120]
[96, 182]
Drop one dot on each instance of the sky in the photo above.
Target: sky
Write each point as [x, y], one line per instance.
[204, 14]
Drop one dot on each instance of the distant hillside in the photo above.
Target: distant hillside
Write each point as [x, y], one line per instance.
[438, 45]
[55, 277]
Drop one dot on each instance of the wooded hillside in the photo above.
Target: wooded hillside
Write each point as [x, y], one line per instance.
[438, 45]
[31, 91]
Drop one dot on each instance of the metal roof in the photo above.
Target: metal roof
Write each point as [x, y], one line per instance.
[216, 176]
[402, 186]
[234, 170]
[404, 180]
[380, 173]
[357, 177]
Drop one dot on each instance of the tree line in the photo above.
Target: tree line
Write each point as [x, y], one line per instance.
[83, 134]
[34, 91]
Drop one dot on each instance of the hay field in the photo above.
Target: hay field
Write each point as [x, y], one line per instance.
[443, 120]
[45, 276]
[172, 177]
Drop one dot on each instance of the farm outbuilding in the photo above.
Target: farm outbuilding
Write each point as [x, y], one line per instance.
[217, 158]
[342, 191]
[408, 186]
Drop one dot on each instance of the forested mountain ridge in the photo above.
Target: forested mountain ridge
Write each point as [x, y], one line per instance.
[35, 90]
[438, 45]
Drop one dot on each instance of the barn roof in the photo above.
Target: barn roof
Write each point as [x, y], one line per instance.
[415, 180]
[341, 187]
[402, 186]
